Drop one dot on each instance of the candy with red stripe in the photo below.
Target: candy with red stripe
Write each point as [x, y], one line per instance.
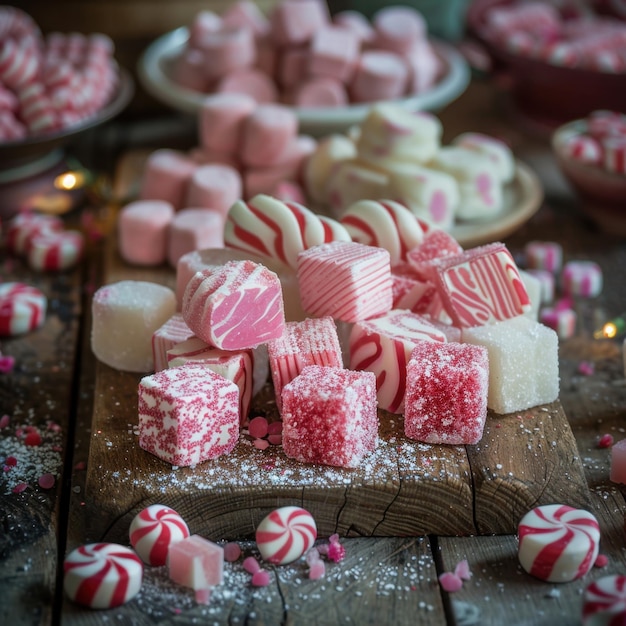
[604, 601]
[558, 543]
[22, 308]
[154, 530]
[55, 250]
[102, 575]
[583, 148]
[615, 153]
[286, 534]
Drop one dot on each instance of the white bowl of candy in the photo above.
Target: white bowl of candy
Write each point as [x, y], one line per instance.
[591, 153]
[329, 72]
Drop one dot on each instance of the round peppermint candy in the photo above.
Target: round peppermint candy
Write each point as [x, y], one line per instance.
[604, 601]
[154, 530]
[286, 534]
[102, 575]
[558, 543]
[22, 308]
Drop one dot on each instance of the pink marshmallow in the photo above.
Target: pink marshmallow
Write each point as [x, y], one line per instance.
[357, 23]
[319, 92]
[214, 187]
[246, 14]
[188, 71]
[398, 28]
[142, 231]
[293, 22]
[293, 65]
[221, 121]
[424, 66]
[250, 81]
[204, 22]
[194, 229]
[227, 50]
[334, 52]
[618, 462]
[197, 563]
[380, 75]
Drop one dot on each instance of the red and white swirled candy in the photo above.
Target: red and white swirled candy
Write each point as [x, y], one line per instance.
[604, 602]
[385, 224]
[154, 530]
[102, 575]
[583, 148]
[55, 250]
[558, 543]
[286, 534]
[276, 229]
[22, 308]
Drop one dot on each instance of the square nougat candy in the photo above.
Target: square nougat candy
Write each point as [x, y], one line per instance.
[330, 416]
[446, 393]
[523, 363]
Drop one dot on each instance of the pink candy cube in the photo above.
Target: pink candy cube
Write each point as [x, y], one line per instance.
[196, 563]
[188, 415]
[383, 345]
[618, 462]
[167, 336]
[446, 393]
[346, 280]
[310, 342]
[329, 416]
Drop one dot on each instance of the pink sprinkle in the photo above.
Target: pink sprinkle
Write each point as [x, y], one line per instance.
[232, 552]
[11, 461]
[19, 487]
[586, 368]
[462, 570]
[261, 444]
[275, 428]
[251, 565]
[602, 560]
[450, 582]
[6, 364]
[606, 441]
[258, 427]
[317, 571]
[46, 481]
[275, 440]
[261, 578]
[203, 596]
[81, 465]
[33, 438]
[4, 421]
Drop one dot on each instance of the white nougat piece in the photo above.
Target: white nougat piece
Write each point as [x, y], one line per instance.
[523, 363]
[534, 289]
[125, 316]
[497, 151]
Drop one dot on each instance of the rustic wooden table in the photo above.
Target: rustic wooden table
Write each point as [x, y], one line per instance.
[86, 414]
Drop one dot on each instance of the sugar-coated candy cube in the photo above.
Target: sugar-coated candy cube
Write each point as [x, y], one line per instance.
[446, 393]
[523, 363]
[154, 530]
[236, 306]
[618, 462]
[533, 289]
[346, 280]
[194, 229]
[22, 308]
[285, 534]
[197, 563]
[329, 416]
[175, 330]
[383, 345]
[214, 186]
[102, 575]
[480, 286]
[166, 177]
[312, 341]
[221, 121]
[235, 365]
[437, 243]
[125, 316]
[604, 601]
[188, 415]
[558, 543]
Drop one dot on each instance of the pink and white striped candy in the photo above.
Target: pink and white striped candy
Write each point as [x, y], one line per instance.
[561, 320]
[558, 543]
[582, 278]
[154, 530]
[286, 534]
[615, 154]
[604, 602]
[275, 229]
[25, 225]
[583, 148]
[102, 575]
[55, 250]
[386, 224]
[544, 255]
[22, 308]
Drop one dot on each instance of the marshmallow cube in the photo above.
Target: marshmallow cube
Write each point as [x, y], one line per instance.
[383, 345]
[188, 415]
[228, 49]
[293, 22]
[166, 175]
[398, 28]
[494, 149]
[196, 563]
[523, 363]
[561, 320]
[346, 280]
[379, 75]
[126, 314]
[329, 416]
[251, 82]
[435, 245]
[174, 331]
[333, 53]
[582, 278]
[309, 342]
[221, 121]
[215, 187]
[446, 393]
[194, 229]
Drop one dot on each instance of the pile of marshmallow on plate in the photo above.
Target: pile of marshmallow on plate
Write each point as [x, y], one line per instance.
[302, 57]
[537, 30]
[52, 83]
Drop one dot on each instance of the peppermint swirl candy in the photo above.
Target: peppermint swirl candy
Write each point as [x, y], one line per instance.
[286, 534]
[604, 601]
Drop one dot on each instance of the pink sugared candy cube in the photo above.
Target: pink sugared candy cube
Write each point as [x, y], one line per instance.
[235, 306]
[446, 393]
[313, 341]
[618, 462]
[196, 562]
[329, 416]
[188, 415]
[346, 280]
[383, 345]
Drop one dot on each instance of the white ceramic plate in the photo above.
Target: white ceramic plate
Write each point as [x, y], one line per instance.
[155, 71]
[522, 199]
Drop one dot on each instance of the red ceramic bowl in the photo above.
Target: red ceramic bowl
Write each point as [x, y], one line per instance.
[549, 95]
[602, 193]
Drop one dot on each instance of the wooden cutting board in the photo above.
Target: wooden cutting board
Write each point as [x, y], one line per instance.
[405, 488]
